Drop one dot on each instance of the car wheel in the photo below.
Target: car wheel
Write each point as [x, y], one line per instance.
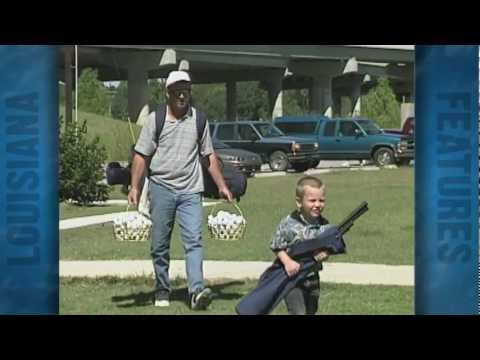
[278, 161]
[302, 167]
[384, 157]
[315, 164]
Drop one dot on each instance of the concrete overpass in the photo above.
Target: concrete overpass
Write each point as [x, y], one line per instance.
[330, 72]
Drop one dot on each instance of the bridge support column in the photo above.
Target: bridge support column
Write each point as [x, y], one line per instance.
[320, 94]
[137, 91]
[275, 96]
[356, 97]
[337, 104]
[231, 87]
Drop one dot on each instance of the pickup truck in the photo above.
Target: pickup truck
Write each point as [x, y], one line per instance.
[263, 138]
[350, 139]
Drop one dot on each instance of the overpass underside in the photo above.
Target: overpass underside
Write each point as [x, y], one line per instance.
[335, 75]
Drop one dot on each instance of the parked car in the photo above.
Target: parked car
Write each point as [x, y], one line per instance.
[351, 139]
[274, 147]
[246, 161]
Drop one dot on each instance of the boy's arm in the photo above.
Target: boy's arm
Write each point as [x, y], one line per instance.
[281, 240]
[291, 266]
[283, 236]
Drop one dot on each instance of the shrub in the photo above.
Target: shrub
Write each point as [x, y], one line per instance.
[81, 166]
[382, 106]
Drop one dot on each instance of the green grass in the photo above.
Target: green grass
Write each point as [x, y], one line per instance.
[114, 134]
[113, 296]
[383, 236]
[116, 193]
[69, 211]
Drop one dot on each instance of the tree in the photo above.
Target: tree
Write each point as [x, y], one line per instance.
[211, 99]
[120, 102]
[295, 102]
[156, 96]
[252, 102]
[381, 105]
[157, 92]
[92, 94]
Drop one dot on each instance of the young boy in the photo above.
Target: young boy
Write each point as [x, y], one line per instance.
[303, 224]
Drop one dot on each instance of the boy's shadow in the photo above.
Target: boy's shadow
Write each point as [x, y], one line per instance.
[177, 295]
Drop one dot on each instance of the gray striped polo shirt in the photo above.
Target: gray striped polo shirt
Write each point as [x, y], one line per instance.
[175, 163]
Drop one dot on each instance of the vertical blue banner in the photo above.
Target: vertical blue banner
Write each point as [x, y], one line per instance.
[446, 180]
[28, 180]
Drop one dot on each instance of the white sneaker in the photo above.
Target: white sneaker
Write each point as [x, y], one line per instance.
[162, 299]
[162, 303]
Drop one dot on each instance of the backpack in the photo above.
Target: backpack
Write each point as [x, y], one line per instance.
[117, 175]
[236, 180]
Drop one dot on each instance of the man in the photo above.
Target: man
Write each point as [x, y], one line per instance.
[175, 187]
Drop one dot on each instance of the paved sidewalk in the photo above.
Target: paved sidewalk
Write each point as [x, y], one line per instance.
[358, 274]
[98, 219]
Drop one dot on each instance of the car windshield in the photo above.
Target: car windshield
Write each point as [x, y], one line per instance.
[268, 130]
[217, 144]
[370, 127]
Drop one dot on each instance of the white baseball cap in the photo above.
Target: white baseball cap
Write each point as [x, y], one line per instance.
[177, 76]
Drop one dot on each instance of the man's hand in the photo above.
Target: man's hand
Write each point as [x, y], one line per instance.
[322, 256]
[139, 165]
[217, 177]
[133, 196]
[226, 193]
[292, 268]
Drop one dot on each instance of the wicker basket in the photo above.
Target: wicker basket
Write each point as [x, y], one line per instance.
[131, 227]
[225, 226]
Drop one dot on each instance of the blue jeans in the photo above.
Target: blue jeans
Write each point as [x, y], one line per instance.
[165, 207]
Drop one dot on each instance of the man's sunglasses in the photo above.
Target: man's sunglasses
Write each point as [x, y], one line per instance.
[179, 92]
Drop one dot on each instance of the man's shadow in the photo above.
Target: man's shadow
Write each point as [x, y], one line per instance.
[141, 299]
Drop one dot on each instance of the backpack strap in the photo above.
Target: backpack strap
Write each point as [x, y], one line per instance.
[201, 124]
[161, 115]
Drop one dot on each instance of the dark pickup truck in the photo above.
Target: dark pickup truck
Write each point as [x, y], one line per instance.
[263, 138]
[351, 139]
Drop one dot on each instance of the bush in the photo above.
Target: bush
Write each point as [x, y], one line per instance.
[81, 166]
[382, 106]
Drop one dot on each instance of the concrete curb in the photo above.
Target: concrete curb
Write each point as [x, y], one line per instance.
[341, 273]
